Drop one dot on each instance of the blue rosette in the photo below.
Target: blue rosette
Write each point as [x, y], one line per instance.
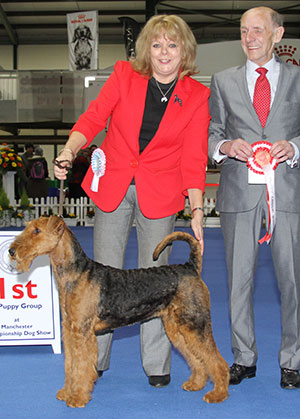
[98, 164]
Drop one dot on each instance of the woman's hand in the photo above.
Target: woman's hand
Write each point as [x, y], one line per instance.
[196, 204]
[197, 227]
[63, 163]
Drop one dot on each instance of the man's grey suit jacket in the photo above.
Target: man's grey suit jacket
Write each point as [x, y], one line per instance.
[233, 116]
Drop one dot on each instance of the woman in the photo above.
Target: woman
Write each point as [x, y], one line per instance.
[156, 155]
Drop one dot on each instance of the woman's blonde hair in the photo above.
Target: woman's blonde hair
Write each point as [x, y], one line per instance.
[175, 29]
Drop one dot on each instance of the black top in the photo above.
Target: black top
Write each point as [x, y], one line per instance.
[154, 111]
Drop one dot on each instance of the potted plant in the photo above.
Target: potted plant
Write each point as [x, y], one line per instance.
[182, 219]
[212, 219]
[1, 217]
[70, 218]
[25, 206]
[90, 217]
[6, 207]
[19, 219]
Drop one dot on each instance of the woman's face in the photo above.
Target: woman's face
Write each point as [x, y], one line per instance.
[165, 55]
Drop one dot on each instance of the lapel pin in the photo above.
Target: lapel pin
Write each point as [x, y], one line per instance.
[177, 100]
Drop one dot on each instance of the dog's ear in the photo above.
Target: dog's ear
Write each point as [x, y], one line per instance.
[56, 224]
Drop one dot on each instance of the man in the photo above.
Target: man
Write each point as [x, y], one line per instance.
[243, 203]
[29, 149]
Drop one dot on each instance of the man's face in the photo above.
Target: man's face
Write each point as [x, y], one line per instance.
[259, 36]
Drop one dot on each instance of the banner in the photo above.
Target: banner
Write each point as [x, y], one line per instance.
[29, 302]
[83, 39]
[131, 29]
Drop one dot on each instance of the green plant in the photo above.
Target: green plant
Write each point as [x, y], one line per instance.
[24, 201]
[4, 201]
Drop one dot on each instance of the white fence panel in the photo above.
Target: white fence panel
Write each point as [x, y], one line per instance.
[81, 206]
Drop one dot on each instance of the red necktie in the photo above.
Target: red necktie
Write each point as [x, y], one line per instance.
[262, 96]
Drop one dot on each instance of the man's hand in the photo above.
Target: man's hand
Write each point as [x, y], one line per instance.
[237, 149]
[282, 150]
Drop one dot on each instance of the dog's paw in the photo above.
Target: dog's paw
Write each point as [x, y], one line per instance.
[192, 386]
[77, 401]
[62, 394]
[215, 396]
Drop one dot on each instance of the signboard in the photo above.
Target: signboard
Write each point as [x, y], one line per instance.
[29, 303]
[39, 96]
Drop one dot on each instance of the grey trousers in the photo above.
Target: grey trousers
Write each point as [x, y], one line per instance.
[111, 233]
[241, 234]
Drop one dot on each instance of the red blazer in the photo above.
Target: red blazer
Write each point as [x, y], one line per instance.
[172, 162]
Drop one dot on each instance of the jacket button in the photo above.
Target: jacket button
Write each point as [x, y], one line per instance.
[134, 163]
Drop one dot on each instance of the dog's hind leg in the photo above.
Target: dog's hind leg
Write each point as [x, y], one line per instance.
[199, 376]
[217, 369]
[202, 356]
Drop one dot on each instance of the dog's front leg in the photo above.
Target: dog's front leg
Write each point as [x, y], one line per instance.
[64, 392]
[83, 367]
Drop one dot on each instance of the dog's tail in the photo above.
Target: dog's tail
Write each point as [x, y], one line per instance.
[195, 255]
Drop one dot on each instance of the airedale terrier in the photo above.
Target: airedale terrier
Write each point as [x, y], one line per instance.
[96, 298]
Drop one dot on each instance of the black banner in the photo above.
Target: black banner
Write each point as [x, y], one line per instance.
[131, 29]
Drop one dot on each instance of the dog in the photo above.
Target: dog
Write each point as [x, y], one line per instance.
[95, 298]
[83, 49]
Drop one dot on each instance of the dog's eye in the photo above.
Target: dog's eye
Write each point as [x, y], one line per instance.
[37, 231]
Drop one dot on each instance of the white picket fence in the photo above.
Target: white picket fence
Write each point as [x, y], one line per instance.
[81, 206]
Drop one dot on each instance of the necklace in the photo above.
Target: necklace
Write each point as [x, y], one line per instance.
[164, 95]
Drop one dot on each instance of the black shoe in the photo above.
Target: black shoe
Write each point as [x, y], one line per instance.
[289, 379]
[239, 372]
[100, 373]
[159, 380]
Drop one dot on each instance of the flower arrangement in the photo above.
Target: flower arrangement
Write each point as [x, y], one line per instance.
[9, 159]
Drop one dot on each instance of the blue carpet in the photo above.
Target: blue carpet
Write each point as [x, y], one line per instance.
[31, 375]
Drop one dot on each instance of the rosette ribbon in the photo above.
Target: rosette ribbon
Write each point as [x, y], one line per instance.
[264, 164]
[98, 164]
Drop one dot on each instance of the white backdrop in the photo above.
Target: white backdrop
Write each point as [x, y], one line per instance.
[218, 56]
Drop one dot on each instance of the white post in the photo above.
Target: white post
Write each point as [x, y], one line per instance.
[8, 181]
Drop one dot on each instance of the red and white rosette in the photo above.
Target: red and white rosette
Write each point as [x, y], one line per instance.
[264, 164]
[98, 164]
